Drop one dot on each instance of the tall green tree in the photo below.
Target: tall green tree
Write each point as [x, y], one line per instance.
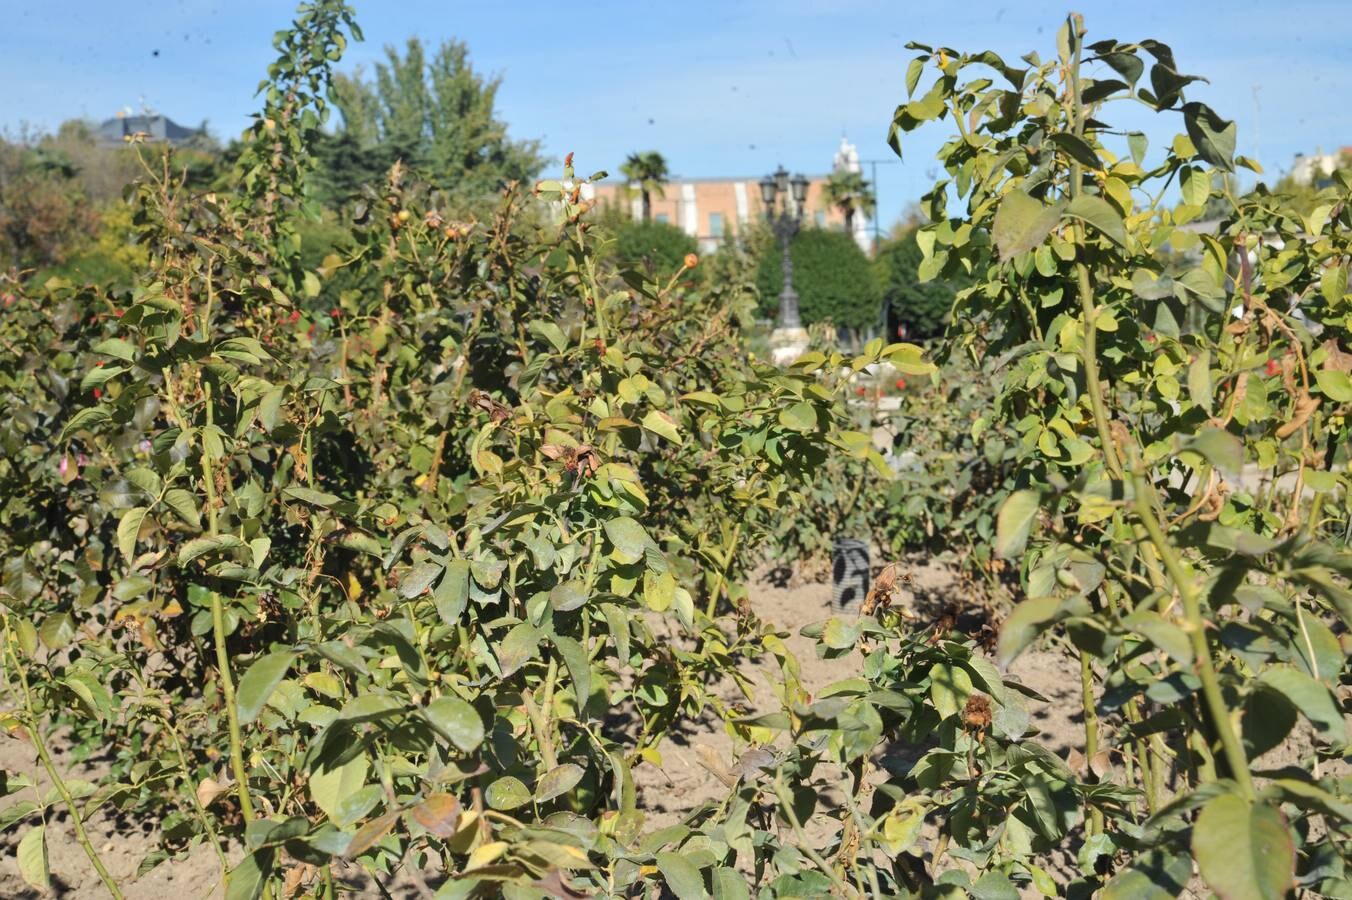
[919, 305]
[436, 113]
[647, 173]
[850, 193]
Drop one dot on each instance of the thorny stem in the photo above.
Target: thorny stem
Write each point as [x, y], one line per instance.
[1091, 728]
[1089, 339]
[231, 713]
[197, 804]
[1144, 492]
[729, 548]
[218, 634]
[539, 715]
[786, 806]
[1186, 586]
[40, 742]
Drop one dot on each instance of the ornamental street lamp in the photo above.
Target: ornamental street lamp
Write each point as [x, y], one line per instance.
[785, 199]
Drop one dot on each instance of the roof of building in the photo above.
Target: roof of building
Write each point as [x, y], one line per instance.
[155, 127]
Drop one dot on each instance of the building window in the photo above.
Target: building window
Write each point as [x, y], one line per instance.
[715, 224]
[663, 218]
[821, 218]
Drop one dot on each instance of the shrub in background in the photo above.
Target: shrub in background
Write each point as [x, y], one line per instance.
[833, 277]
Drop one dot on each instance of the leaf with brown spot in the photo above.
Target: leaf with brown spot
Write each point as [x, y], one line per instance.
[369, 833]
[437, 813]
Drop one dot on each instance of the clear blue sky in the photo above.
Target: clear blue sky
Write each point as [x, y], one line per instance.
[721, 88]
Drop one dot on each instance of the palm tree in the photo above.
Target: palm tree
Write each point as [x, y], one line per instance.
[646, 172]
[849, 192]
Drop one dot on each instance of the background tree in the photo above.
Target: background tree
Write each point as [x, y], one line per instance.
[647, 173]
[436, 114]
[850, 193]
[921, 306]
[834, 279]
[43, 212]
[659, 246]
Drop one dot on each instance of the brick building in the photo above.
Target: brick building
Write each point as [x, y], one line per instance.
[708, 209]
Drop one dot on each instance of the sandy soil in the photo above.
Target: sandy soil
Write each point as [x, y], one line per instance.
[679, 785]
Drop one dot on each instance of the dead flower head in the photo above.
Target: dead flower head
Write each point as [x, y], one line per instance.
[976, 715]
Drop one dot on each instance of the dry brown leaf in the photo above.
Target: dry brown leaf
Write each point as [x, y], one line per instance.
[438, 813]
[1305, 407]
[209, 789]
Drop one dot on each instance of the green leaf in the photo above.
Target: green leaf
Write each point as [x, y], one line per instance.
[1023, 624]
[800, 416]
[419, 578]
[1014, 522]
[100, 375]
[1213, 136]
[908, 359]
[90, 690]
[521, 644]
[1333, 284]
[247, 878]
[1195, 184]
[1220, 448]
[451, 595]
[457, 721]
[914, 69]
[681, 876]
[579, 667]
[260, 681]
[1021, 223]
[184, 504]
[1099, 213]
[32, 856]
[116, 348]
[628, 540]
[662, 425]
[950, 686]
[1137, 142]
[204, 545]
[507, 793]
[330, 786]
[128, 528]
[1199, 381]
[994, 886]
[145, 479]
[1335, 385]
[729, 884]
[1309, 696]
[1244, 850]
[1164, 634]
[311, 496]
[558, 781]
[57, 630]
[89, 417]
[1077, 148]
[550, 332]
[1151, 876]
